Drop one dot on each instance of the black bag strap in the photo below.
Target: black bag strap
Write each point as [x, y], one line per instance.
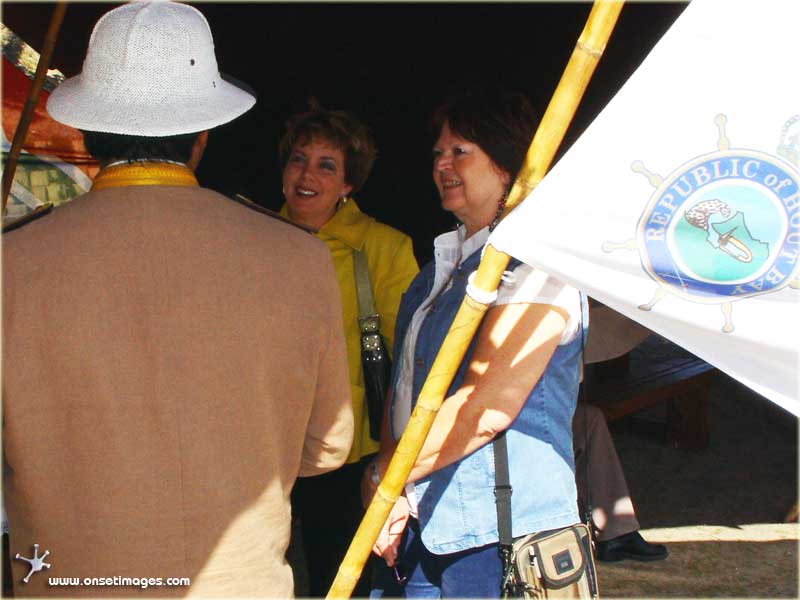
[364, 297]
[502, 480]
[368, 319]
[583, 393]
[502, 485]
[502, 497]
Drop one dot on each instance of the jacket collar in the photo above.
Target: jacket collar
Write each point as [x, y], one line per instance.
[144, 173]
[348, 225]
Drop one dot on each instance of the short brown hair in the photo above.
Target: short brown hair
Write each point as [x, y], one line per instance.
[340, 128]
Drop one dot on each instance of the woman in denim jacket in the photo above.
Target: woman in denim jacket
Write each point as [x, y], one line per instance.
[520, 375]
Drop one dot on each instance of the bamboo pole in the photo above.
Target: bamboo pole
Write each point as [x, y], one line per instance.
[548, 137]
[33, 98]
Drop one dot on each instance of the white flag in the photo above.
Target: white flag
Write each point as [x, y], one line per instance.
[680, 205]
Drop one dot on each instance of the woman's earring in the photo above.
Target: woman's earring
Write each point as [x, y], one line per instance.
[501, 206]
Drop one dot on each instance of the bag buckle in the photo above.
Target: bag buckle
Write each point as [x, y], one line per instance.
[369, 324]
[505, 490]
[505, 555]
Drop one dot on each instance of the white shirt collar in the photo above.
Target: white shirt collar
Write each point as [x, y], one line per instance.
[451, 247]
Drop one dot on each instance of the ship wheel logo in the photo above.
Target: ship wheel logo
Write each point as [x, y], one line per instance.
[722, 227]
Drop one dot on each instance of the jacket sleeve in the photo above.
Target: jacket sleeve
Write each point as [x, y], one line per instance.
[329, 435]
[395, 270]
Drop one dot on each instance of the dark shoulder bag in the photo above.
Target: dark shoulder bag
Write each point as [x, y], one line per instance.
[375, 361]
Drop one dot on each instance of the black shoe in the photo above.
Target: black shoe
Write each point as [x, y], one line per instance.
[630, 545]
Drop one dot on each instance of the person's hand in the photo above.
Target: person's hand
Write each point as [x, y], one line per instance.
[388, 542]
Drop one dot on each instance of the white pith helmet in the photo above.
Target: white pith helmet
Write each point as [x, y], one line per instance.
[150, 70]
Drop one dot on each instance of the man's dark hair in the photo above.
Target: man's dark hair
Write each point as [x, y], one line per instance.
[106, 147]
[501, 121]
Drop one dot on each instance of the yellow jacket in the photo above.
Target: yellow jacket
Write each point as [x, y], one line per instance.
[392, 266]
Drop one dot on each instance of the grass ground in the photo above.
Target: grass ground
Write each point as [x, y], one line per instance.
[720, 510]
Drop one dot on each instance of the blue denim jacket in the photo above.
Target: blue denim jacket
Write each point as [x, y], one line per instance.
[456, 504]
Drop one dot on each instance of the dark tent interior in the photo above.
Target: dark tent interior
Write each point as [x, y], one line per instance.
[390, 63]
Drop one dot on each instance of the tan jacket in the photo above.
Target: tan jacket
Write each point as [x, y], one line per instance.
[172, 361]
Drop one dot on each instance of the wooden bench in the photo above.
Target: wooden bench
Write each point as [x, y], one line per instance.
[656, 371]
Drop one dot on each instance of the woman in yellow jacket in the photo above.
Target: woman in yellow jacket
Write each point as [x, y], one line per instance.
[327, 156]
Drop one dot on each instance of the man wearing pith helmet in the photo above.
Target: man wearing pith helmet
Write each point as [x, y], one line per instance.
[172, 359]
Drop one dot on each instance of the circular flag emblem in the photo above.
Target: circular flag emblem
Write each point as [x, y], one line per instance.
[723, 226]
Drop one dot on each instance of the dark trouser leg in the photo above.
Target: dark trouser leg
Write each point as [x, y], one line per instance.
[8, 586]
[330, 511]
